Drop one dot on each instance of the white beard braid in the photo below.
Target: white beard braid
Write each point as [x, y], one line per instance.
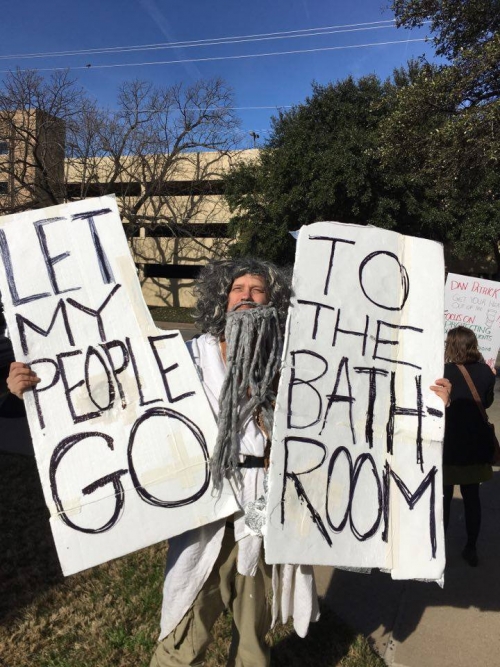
[253, 355]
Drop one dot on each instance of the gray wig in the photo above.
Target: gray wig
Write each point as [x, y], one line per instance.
[215, 282]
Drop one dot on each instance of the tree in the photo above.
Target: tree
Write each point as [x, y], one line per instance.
[456, 24]
[154, 139]
[35, 119]
[161, 152]
[442, 133]
[320, 163]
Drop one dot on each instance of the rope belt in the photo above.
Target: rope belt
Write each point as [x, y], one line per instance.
[252, 462]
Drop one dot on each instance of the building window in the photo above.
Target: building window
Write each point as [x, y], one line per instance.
[122, 189]
[4, 147]
[188, 188]
[199, 230]
[4, 187]
[172, 271]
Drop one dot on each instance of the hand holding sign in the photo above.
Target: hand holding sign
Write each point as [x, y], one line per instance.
[442, 388]
[21, 378]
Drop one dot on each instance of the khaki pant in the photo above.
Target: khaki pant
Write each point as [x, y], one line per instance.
[248, 600]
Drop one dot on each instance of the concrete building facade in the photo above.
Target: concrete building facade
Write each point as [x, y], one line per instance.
[173, 210]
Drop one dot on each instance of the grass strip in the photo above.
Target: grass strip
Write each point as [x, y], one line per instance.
[171, 314]
[109, 616]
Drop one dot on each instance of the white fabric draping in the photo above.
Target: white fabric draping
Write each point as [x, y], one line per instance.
[191, 556]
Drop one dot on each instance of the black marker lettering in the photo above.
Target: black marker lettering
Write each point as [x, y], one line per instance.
[335, 397]
[299, 382]
[38, 390]
[138, 381]
[77, 419]
[361, 334]
[96, 313]
[104, 265]
[301, 494]
[338, 528]
[23, 322]
[92, 352]
[384, 341]
[116, 371]
[353, 477]
[334, 242]
[318, 307]
[372, 394]
[165, 371]
[9, 272]
[403, 274]
[417, 412]
[114, 478]
[194, 431]
[361, 460]
[49, 260]
[413, 499]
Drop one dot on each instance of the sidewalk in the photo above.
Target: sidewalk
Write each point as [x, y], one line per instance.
[417, 624]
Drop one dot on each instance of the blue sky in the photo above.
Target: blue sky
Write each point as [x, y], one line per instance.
[258, 81]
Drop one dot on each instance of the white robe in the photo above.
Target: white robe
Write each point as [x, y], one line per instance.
[191, 556]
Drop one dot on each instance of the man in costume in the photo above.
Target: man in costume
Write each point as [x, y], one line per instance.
[241, 309]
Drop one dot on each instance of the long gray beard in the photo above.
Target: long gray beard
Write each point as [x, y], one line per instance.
[253, 354]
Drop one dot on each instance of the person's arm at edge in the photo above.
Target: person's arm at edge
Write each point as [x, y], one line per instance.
[21, 378]
[442, 388]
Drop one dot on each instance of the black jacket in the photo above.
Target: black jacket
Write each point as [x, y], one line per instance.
[11, 406]
[467, 437]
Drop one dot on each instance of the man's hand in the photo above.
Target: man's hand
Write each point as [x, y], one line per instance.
[21, 378]
[443, 389]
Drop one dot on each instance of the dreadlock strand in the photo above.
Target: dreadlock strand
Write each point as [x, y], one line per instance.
[253, 350]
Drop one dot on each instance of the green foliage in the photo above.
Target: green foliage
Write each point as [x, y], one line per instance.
[172, 314]
[259, 229]
[418, 154]
[321, 163]
[443, 130]
[108, 616]
[457, 24]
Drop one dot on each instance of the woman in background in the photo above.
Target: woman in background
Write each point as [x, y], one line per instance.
[467, 434]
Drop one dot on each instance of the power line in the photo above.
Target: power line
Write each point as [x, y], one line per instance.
[283, 34]
[274, 106]
[219, 58]
[162, 47]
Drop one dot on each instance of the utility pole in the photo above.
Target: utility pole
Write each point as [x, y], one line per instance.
[254, 136]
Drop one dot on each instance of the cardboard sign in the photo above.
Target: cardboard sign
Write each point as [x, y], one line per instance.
[121, 427]
[474, 303]
[355, 477]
